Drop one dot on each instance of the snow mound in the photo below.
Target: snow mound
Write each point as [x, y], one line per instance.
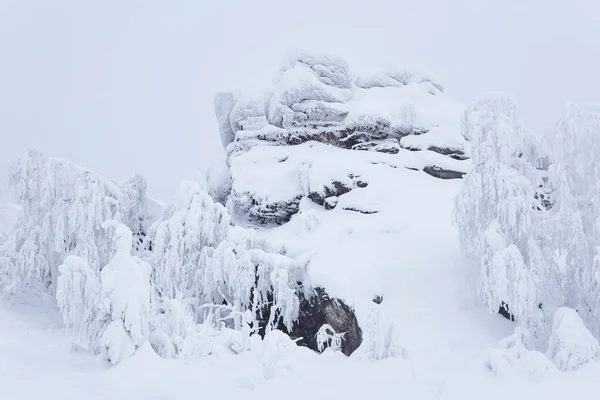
[571, 345]
[514, 356]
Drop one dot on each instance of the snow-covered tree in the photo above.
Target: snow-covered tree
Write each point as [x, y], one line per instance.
[573, 150]
[494, 209]
[221, 270]
[194, 224]
[84, 307]
[126, 284]
[107, 314]
[63, 207]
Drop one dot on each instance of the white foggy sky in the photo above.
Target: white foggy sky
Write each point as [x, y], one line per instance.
[126, 87]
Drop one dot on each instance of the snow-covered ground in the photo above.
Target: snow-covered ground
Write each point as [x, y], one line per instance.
[407, 253]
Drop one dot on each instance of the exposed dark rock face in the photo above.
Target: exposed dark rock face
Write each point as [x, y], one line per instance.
[330, 202]
[442, 173]
[360, 211]
[543, 194]
[452, 153]
[503, 310]
[317, 309]
[320, 309]
[336, 189]
[455, 154]
[270, 213]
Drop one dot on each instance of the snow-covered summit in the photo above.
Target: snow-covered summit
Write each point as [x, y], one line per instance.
[395, 117]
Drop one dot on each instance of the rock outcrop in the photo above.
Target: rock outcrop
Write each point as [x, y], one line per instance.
[324, 142]
[315, 98]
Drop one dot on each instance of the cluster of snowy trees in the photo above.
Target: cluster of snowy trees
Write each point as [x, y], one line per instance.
[529, 213]
[123, 277]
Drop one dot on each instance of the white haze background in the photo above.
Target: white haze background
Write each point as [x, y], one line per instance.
[127, 86]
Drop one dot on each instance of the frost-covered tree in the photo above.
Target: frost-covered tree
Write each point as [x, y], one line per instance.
[380, 338]
[222, 271]
[107, 314]
[84, 307]
[126, 284]
[530, 213]
[63, 207]
[573, 150]
[194, 224]
[493, 211]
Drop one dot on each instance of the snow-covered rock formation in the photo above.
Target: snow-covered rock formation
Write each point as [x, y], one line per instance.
[324, 158]
[293, 142]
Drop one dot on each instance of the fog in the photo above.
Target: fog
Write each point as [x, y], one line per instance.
[126, 87]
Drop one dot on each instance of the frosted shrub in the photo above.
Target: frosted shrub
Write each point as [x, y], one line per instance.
[175, 334]
[571, 344]
[379, 337]
[515, 355]
[327, 337]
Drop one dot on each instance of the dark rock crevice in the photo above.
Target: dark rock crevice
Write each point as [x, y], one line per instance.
[447, 151]
[455, 154]
[334, 189]
[360, 211]
[442, 173]
[270, 213]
